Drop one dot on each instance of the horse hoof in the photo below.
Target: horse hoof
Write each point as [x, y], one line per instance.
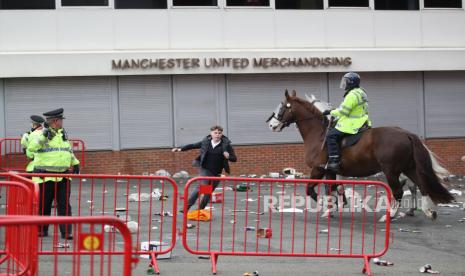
[434, 215]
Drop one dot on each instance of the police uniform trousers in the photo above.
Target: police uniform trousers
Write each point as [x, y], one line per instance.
[60, 191]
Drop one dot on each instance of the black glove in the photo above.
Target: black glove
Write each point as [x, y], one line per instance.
[47, 133]
[76, 169]
[326, 112]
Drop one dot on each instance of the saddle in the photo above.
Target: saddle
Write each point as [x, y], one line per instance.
[353, 139]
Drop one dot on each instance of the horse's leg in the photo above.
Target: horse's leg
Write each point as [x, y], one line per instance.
[427, 205]
[393, 180]
[314, 174]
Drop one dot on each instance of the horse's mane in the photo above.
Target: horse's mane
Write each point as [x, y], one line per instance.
[313, 108]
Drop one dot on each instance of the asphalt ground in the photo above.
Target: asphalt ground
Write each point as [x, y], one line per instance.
[421, 241]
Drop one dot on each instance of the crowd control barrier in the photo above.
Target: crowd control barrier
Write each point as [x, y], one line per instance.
[13, 158]
[275, 217]
[92, 252]
[146, 204]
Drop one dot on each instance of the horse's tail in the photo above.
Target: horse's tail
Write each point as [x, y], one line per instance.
[429, 172]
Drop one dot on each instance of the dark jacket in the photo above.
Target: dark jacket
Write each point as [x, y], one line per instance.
[203, 146]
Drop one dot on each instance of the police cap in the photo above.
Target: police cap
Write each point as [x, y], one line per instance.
[36, 119]
[57, 113]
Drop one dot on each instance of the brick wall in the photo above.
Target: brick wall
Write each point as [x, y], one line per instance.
[258, 159]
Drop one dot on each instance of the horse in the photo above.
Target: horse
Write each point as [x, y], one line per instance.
[391, 150]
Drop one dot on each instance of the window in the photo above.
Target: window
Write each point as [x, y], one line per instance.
[396, 5]
[348, 3]
[443, 3]
[73, 3]
[299, 4]
[195, 3]
[140, 4]
[27, 5]
[246, 3]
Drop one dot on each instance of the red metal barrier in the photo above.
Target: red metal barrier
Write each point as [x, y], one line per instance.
[92, 252]
[147, 204]
[12, 157]
[274, 217]
[19, 201]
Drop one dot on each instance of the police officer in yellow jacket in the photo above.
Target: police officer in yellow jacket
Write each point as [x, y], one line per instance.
[350, 116]
[36, 126]
[52, 153]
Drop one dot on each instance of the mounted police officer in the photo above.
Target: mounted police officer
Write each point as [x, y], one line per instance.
[36, 126]
[52, 153]
[350, 116]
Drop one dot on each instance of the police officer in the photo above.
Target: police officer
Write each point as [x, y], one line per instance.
[53, 153]
[36, 125]
[350, 116]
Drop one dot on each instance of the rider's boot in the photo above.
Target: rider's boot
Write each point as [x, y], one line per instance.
[333, 164]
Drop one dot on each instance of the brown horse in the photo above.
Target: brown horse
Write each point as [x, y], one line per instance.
[391, 150]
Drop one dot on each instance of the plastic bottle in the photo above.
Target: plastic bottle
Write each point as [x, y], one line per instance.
[382, 262]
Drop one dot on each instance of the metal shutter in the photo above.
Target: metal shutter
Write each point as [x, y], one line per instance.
[198, 104]
[252, 98]
[86, 101]
[444, 99]
[394, 98]
[145, 111]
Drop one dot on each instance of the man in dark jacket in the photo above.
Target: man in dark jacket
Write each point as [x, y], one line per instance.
[215, 153]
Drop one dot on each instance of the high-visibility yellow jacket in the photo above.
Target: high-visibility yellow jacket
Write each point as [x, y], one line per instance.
[55, 155]
[353, 112]
[25, 143]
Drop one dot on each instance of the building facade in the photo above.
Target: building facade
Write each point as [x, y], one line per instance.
[138, 77]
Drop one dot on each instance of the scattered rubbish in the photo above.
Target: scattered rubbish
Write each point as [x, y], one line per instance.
[289, 171]
[123, 216]
[217, 197]
[248, 199]
[190, 226]
[417, 231]
[249, 228]
[162, 173]
[291, 210]
[242, 187]
[232, 221]
[404, 230]
[139, 197]
[455, 192]
[323, 231]
[448, 205]
[380, 262]
[62, 245]
[164, 214]
[132, 226]
[461, 220]
[204, 257]
[257, 213]
[264, 233]
[181, 174]
[401, 215]
[274, 174]
[427, 269]
[335, 249]
[238, 210]
[448, 226]
[109, 228]
[120, 209]
[291, 176]
[255, 273]
[89, 201]
[154, 227]
[281, 192]
[156, 193]
[155, 246]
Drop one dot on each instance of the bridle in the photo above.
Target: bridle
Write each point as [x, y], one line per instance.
[279, 114]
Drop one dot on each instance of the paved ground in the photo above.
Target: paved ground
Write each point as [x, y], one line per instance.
[440, 243]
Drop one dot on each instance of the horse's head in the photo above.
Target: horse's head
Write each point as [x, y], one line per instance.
[283, 116]
[294, 109]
